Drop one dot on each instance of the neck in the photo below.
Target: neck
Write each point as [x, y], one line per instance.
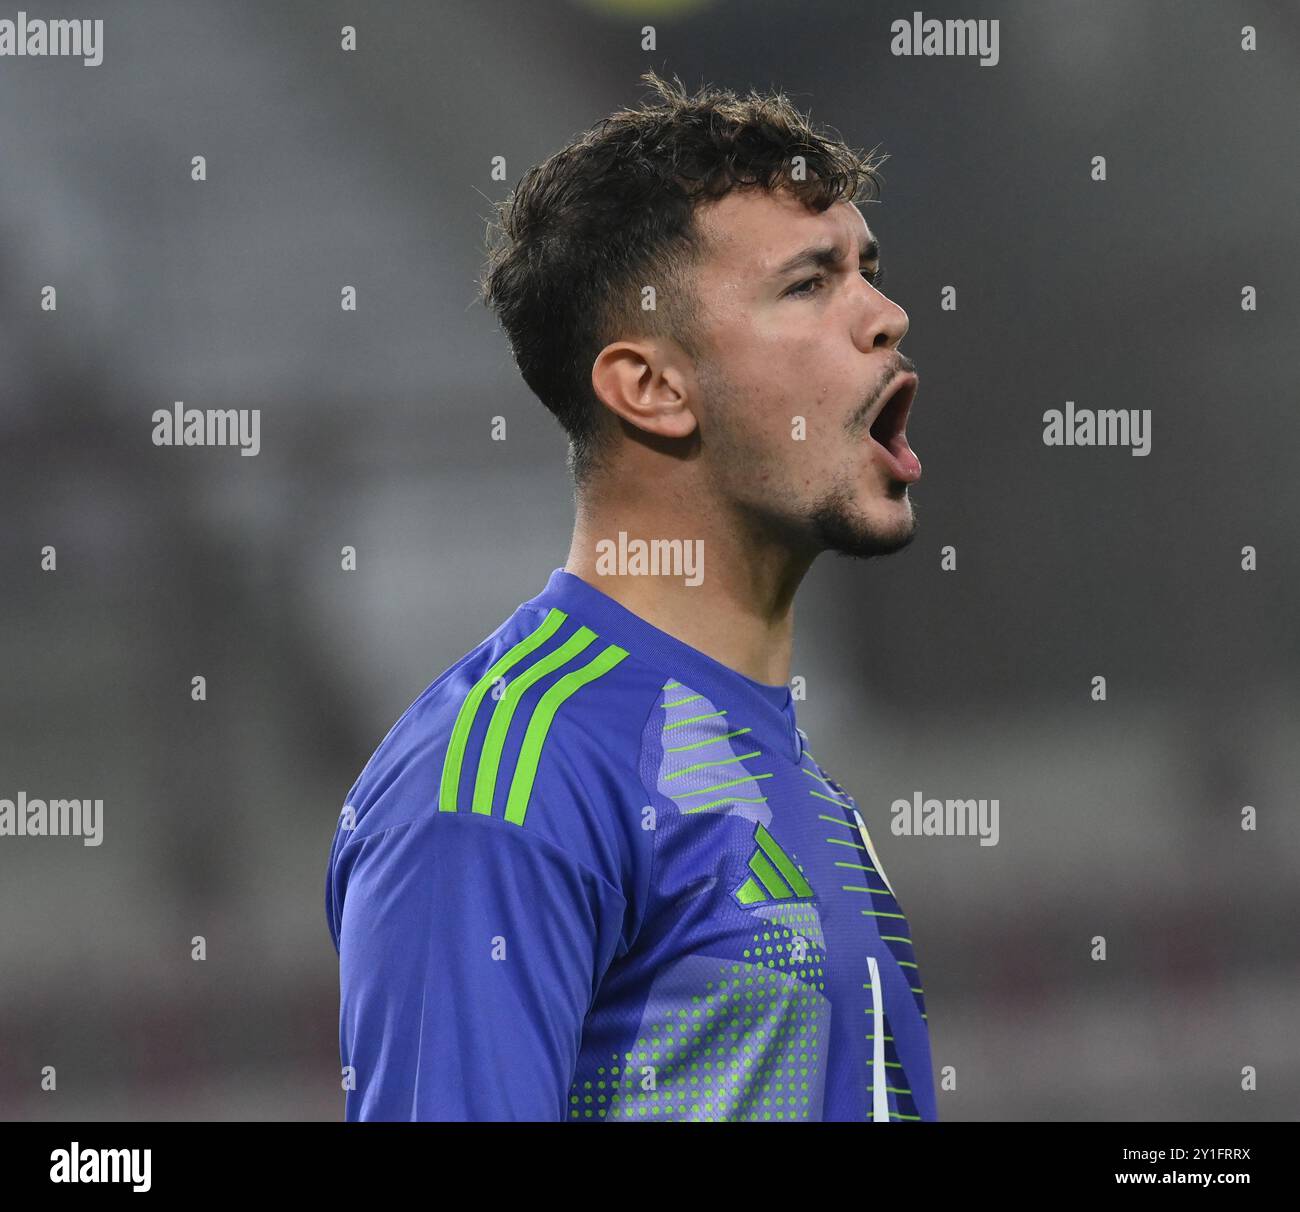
[741, 613]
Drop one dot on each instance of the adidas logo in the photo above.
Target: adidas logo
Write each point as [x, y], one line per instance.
[775, 877]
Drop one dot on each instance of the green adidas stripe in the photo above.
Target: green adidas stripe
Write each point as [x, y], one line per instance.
[455, 759]
[768, 877]
[489, 762]
[521, 786]
[749, 893]
[793, 876]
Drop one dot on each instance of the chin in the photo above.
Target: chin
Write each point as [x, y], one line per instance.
[879, 528]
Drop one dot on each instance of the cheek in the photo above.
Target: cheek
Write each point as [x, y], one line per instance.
[808, 380]
[774, 381]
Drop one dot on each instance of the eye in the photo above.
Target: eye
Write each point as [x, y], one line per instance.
[810, 286]
[799, 291]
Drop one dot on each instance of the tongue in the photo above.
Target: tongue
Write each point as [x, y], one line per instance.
[903, 464]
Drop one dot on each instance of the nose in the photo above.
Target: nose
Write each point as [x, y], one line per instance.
[881, 322]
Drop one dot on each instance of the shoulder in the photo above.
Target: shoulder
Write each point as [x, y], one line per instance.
[538, 728]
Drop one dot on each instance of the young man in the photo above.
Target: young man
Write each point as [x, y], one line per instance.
[594, 872]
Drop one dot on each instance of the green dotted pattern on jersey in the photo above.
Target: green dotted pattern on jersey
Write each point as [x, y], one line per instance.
[750, 1046]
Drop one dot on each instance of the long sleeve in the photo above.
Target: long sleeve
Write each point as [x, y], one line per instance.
[470, 950]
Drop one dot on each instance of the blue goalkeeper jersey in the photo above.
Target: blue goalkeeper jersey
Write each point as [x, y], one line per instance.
[593, 874]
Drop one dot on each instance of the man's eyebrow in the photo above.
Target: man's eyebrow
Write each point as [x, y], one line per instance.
[823, 256]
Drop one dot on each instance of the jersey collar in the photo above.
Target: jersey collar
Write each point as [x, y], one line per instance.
[769, 710]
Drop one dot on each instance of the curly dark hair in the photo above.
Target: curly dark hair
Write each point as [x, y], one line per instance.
[584, 232]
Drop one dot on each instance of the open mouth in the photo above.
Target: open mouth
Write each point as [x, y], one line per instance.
[888, 430]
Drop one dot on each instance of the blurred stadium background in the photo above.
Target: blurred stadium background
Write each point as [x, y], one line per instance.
[373, 169]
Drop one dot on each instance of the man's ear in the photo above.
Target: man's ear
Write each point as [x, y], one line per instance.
[647, 385]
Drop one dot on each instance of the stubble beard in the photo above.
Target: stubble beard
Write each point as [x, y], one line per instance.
[832, 523]
[838, 527]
